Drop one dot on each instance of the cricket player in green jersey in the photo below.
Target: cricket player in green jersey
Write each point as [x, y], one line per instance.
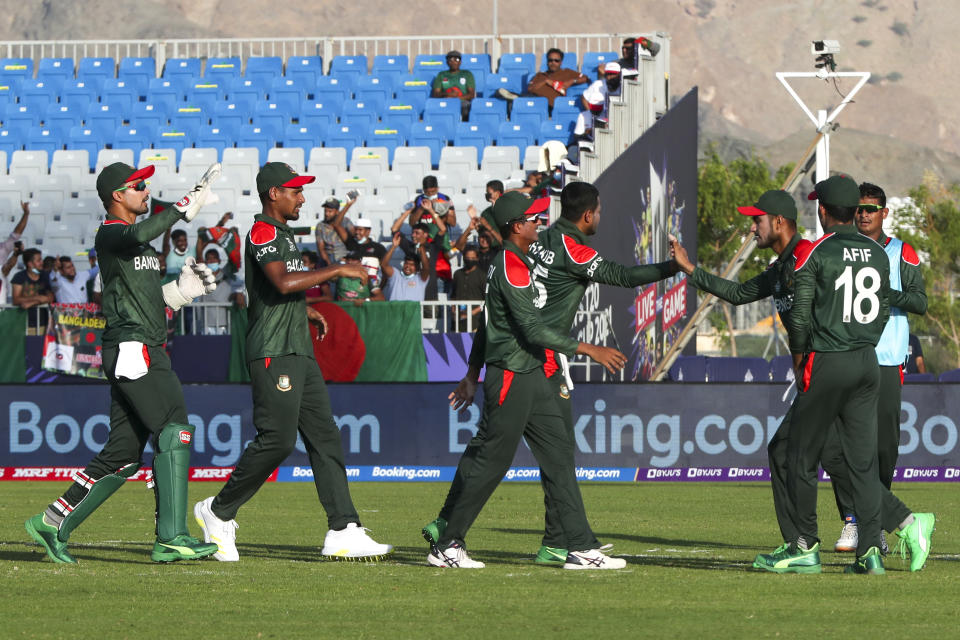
[146, 400]
[518, 402]
[840, 307]
[289, 394]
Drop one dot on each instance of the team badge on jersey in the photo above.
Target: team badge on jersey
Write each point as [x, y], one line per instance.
[283, 383]
[564, 391]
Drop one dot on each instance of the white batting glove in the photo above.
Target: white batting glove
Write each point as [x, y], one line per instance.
[190, 204]
[195, 280]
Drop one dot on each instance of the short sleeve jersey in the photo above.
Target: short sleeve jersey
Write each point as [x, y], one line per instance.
[277, 321]
[454, 84]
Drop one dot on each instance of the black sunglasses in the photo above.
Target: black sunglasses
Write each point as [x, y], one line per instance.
[140, 186]
[554, 59]
[868, 208]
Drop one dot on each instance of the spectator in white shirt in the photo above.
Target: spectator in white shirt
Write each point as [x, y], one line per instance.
[69, 285]
[410, 282]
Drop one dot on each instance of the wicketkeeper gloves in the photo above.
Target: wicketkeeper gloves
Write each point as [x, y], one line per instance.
[190, 204]
[195, 280]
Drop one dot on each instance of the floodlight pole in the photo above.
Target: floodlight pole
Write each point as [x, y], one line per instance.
[823, 121]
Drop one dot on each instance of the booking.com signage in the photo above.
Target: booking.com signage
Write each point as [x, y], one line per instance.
[400, 433]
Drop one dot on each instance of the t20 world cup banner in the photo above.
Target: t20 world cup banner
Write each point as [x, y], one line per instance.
[72, 344]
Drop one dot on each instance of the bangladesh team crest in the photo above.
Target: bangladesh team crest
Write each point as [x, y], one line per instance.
[564, 391]
[283, 383]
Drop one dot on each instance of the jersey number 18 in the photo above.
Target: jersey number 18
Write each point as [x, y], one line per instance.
[856, 293]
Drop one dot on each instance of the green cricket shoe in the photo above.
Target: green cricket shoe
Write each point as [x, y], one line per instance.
[183, 547]
[870, 563]
[917, 538]
[432, 532]
[46, 536]
[551, 556]
[788, 558]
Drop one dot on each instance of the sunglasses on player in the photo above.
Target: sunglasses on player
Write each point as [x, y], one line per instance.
[140, 186]
[868, 208]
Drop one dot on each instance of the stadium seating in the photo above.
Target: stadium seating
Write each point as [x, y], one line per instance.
[593, 59]
[144, 69]
[106, 157]
[135, 138]
[327, 163]
[413, 161]
[373, 90]
[427, 135]
[500, 161]
[523, 63]
[474, 135]
[332, 90]
[513, 82]
[39, 93]
[390, 67]
[359, 113]
[293, 156]
[442, 113]
[516, 134]
[413, 91]
[346, 136]
[306, 69]
[531, 110]
[256, 137]
[386, 137]
[219, 68]
[79, 94]
[96, 69]
[569, 61]
[189, 67]
[348, 68]
[303, 136]
[427, 65]
[320, 112]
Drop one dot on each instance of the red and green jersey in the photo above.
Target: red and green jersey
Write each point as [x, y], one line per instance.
[841, 293]
[454, 84]
[277, 321]
[133, 305]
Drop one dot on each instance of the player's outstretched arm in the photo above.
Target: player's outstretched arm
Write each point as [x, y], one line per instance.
[913, 297]
[756, 288]
[297, 281]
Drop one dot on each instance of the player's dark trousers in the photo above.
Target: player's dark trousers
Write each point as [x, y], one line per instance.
[138, 409]
[777, 459]
[840, 385]
[517, 405]
[289, 395]
[888, 440]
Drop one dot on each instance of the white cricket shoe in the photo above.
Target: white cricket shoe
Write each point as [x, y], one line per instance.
[353, 543]
[593, 559]
[848, 538]
[453, 557]
[221, 532]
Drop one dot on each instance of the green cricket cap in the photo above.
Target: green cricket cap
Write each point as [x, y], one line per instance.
[280, 174]
[114, 176]
[840, 191]
[514, 205]
[775, 202]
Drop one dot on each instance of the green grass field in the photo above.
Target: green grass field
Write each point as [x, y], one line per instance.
[689, 548]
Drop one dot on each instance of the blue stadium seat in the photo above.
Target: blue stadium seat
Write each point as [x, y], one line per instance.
[85, 139]
[563, 105]
[358, 112]
[290, 93]
[781, 368]
[427, 65]
[950, 376]
[247, 89]
[119, 95]
[553, 130]
[444, 112]
[400, 125]
[143, 68]
[171, 137]
[16, 67]
[330, 89]
[424, 134]
[21, 116]
[10, 141]
[134, 137]
[205, 94]
[222, 68]
[38, 94]
[532, 110]
[263, 69]
[577, 90]
[217, 136]
[473, 134]
[303, 136]
[78, 94]
[165, 91]
[488, 111]
[250, 135]
[320, 113]
[146, 114]
[227, 113]
[61, 118]
[513, 81]
[55, 68]
[391, 67]
[414, 91]
[271, 115]
[569, 61]
[42, 139]
[516, 134]
[399, 112]
[8, 95]
[522, 63]
[593, 59]
[385, 136]
[346, 136]
[96, 69]
[738, 370]
[688, 369]
[189, 119]
[304, 69]
[476, 62]
[189, 67]
[373, 89]
[348, 68]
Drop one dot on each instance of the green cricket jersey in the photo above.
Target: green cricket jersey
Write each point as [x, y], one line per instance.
[913, 296]
[564, 266]
[133, 305]
[513, 335]
[841, 293]
[776, 281]
[277, 321]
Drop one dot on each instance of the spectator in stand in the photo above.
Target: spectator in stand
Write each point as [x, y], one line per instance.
[11, 249]
[48, 266]
[454, 83]
[69, 286]
[371, 252]
[494, 190]
[410, 282]
[31, 288]
[469, 283]
[215, 320]
[329, 245]
[551, 83]
[915, 363]
[431, 191]
[354, 289]
[424, 213]
[321, 292]
[628, 58]
[175, 256]
[486, 250]
[420, 238]
[227, 238]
